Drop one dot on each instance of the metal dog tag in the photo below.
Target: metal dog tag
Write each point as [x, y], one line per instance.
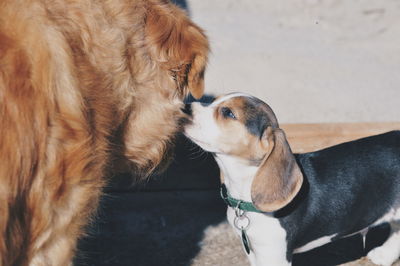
[246, 242]
[242, 222]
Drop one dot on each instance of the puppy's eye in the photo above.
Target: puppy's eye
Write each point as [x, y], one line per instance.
[227, 113]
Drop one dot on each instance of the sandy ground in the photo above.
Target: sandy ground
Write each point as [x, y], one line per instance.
[311, 60]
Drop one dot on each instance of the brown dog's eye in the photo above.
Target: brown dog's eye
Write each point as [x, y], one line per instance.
[227, 113]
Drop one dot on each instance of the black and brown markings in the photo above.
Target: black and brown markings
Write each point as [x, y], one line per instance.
[243, 121]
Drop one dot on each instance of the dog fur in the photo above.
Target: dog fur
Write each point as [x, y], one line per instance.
[79, 79]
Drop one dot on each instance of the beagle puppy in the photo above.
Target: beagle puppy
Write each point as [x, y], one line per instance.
[282, 203]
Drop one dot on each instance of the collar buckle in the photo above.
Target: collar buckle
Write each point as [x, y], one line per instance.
[238, 211]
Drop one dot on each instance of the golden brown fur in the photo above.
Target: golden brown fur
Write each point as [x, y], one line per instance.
[74, 74]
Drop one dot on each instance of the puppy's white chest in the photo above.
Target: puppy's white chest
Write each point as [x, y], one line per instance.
[266, 236]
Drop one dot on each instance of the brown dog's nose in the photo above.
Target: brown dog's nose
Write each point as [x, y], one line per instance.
[188, 109]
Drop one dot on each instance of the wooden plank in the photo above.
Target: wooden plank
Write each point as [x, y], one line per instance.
[312, 137]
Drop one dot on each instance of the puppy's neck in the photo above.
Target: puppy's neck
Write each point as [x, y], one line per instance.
[238, 175]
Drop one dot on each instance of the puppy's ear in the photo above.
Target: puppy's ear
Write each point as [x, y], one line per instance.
[279, 178]
[178, 44]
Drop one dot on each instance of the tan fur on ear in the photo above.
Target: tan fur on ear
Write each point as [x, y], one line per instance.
[279, 178]
[179, 45]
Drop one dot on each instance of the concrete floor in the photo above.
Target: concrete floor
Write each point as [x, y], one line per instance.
[311, 60]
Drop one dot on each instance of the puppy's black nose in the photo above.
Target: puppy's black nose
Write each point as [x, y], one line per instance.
[188, 109]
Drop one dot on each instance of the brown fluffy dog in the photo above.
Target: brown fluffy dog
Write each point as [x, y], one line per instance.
[73, 73]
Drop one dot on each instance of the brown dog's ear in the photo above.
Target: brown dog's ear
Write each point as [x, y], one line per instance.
[279, 178]
[178, 44]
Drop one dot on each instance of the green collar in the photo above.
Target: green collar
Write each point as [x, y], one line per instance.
[235, 203]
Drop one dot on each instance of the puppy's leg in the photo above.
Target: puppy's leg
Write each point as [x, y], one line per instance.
[268, 247]
[269, 255]
[389, 252]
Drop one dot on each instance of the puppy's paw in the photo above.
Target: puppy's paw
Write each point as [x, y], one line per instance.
[382, 256]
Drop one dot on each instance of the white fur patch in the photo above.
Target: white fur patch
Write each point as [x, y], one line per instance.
[267, 239]
[238, 176]
[389, 252]
[204, 131]
[314, 244]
